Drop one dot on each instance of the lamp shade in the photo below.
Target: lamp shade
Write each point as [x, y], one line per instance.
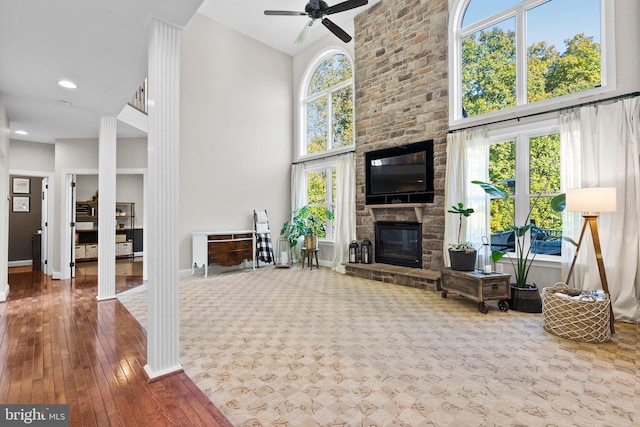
[597, 199]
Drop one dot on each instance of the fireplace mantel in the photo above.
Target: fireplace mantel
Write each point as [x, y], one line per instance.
[417, 207]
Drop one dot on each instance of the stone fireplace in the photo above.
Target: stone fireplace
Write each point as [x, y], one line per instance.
[401, 82]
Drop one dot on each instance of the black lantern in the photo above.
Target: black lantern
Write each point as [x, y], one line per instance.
[353, 252]
[366, 255]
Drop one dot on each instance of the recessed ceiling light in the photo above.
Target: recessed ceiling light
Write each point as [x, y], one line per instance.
[68, 84]
[21, 132]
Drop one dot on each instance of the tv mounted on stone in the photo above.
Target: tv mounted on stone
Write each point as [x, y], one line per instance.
[402, 174]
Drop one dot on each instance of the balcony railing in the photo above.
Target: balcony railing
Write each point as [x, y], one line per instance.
[139, 100]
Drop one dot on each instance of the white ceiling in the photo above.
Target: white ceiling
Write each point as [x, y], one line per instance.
[276, 31]
[104, 50]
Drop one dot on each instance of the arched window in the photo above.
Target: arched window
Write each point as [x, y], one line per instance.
[326, 128]
[327, 105]
[513, 53]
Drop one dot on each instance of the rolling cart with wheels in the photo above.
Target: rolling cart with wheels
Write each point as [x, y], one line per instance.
[478, 286]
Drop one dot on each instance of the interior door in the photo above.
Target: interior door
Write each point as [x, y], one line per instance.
[44, 227]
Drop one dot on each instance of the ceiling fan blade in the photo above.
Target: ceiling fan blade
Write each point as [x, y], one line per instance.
[339, 32]
[346, 5]
[284, 13]
[303, 33]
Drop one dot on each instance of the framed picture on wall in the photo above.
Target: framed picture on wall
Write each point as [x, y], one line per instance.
[20, 204]
[21, 185]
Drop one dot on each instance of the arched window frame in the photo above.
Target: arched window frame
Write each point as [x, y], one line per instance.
[456, 33]
[304, 99]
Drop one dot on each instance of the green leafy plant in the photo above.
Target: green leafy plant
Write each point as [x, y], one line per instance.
[524, 257]
[461, 211]
[306, 221]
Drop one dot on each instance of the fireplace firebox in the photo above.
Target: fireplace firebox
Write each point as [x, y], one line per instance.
[399, 243]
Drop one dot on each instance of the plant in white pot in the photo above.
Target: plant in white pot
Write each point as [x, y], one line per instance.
[461, 253]
[523, 256]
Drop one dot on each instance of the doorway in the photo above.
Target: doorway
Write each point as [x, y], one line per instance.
[29, 219]
[80, 188]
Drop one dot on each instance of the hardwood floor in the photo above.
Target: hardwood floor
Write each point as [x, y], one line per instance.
[58, 345]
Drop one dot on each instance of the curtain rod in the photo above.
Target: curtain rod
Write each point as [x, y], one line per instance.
[555, 110]
[328, 156]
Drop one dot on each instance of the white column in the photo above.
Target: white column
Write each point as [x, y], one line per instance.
[162, 200]
[107, 208]
[4, 204]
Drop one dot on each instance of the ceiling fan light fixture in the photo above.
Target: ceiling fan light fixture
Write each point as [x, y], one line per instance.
[68, 84]
[319, 9]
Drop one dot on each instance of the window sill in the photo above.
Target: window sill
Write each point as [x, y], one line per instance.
[325, 154]
[543, 261]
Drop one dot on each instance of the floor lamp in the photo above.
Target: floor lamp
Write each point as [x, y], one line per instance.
[592, 201]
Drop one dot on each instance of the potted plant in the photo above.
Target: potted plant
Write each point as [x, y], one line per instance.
[524, 296]
[307, 222]
[462, 254]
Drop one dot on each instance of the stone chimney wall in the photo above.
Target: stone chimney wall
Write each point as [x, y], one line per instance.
[401, 97]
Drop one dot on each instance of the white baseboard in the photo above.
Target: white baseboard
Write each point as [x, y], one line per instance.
[4, 294]
[20, 263]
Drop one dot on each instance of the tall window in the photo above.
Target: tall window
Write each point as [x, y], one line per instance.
[527, 166]
[326, 128]
[321, 194]
[511, 53]
[328, 106]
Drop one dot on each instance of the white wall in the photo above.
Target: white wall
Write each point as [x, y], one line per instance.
[32, 156]
[627, 46]
[235, 131]
[130, 188]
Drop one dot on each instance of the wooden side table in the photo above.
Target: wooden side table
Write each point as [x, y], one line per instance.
[308, 255]
[479, 287]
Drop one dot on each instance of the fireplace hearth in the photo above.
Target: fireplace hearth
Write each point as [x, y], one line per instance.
[398, 243]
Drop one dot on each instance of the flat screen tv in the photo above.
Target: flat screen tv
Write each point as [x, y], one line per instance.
[401, 174]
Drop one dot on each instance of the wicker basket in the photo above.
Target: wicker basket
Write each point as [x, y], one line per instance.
[585, 319]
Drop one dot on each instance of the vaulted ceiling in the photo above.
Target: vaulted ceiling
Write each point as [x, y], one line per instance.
[102, 47]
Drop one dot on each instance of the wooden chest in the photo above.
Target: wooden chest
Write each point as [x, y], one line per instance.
[228, 250]
[479, 287]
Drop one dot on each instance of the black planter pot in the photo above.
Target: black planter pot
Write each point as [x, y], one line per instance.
[462, 260]
[526, 300]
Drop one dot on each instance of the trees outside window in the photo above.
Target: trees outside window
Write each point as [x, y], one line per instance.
[528, 167]
[518, 52]
[328, 106]
[321, 194]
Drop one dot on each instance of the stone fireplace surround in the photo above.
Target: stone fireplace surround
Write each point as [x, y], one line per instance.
[401, 97]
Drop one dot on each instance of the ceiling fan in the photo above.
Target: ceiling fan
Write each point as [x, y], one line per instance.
[318, 9]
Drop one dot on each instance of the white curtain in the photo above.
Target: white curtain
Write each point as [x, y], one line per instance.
[298, 195]
[604, 141]
[345, 218]
[467, 160]
[298, 187]
[570, 173]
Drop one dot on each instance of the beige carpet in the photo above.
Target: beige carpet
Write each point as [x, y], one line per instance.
[292, 347]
